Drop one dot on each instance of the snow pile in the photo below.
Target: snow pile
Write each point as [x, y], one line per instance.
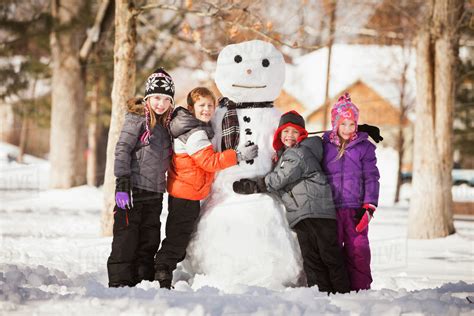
[19, 284]
[41, 290]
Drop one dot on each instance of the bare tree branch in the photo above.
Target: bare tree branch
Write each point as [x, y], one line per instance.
[93, 34]
[220, 14]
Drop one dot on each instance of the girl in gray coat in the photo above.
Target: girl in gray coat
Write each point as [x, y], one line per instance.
[300, 183]
[142, 157]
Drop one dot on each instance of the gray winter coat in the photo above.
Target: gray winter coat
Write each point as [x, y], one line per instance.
[144, 165]
[300, 183]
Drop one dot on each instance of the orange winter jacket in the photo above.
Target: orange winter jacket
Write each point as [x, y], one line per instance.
[194, 161]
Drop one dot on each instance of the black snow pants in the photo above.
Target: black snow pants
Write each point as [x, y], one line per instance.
[136, 240]
[180, 224]
[323, 260]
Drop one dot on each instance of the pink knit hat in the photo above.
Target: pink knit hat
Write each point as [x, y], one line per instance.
[344, 109]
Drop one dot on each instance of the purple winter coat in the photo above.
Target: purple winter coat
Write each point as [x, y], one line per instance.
[354, 178]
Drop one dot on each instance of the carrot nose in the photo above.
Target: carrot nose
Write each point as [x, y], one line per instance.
[249, 71]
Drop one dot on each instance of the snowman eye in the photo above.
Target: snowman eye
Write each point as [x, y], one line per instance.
[238, 58]
[265, 63]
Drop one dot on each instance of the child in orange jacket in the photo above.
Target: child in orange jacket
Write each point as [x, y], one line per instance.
[190, 176]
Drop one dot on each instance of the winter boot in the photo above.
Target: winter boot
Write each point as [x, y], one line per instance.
[123, 284]
[164, 276]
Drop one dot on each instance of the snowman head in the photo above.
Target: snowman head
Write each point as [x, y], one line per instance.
[252, 71]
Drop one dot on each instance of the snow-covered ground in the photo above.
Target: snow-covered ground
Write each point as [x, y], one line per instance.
[53, 261]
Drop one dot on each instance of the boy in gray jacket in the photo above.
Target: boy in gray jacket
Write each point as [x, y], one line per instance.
[300, 183]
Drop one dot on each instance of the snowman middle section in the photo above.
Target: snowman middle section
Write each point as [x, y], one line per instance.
[245, 239]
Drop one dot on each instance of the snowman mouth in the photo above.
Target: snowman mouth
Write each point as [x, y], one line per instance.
[248, 87]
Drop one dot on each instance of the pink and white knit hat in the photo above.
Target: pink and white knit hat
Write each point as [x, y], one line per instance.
[343, 109]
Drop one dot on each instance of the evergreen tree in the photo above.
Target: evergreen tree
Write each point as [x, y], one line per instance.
[24, 46]
[464, 114]
[24, 30]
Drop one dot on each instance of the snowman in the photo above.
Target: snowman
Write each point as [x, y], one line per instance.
[245, 239]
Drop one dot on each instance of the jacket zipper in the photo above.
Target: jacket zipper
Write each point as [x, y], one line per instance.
[342, 179]
[294, 199]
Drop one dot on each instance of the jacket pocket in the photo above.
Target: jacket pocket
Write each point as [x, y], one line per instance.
[294, 199]
[121, 220]
[289, 200]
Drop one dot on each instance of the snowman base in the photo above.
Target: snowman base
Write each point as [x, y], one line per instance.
[244, 240]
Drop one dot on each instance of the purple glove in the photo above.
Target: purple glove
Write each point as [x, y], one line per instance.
[122, 199]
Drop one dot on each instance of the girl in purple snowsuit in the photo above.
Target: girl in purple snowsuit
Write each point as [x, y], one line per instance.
[350, 164]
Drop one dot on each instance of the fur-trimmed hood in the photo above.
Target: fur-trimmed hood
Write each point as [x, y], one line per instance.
[136, 105]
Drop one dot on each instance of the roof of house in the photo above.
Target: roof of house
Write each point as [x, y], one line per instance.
[374, 108]
[287, 102]
[378, 66]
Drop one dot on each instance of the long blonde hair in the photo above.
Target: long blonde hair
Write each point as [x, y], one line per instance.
[342, 148]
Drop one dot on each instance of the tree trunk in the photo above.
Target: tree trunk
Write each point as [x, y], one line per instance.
[401, 137]
[25, 121]
[431, 203]
[23, 137]
[93, 133]
[123, 88]
[68, 137]
[401, 153]
[447, 17]
[332, 21]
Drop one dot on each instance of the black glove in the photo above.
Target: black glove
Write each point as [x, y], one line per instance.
[122, 184]
[359, 213]
[373, 131]
[363, 216]
[249, 186]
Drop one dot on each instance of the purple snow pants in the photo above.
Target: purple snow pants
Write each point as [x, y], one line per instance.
[356, 249]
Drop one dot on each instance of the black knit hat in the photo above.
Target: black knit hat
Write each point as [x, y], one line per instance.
[293, 119]
[159, 83]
